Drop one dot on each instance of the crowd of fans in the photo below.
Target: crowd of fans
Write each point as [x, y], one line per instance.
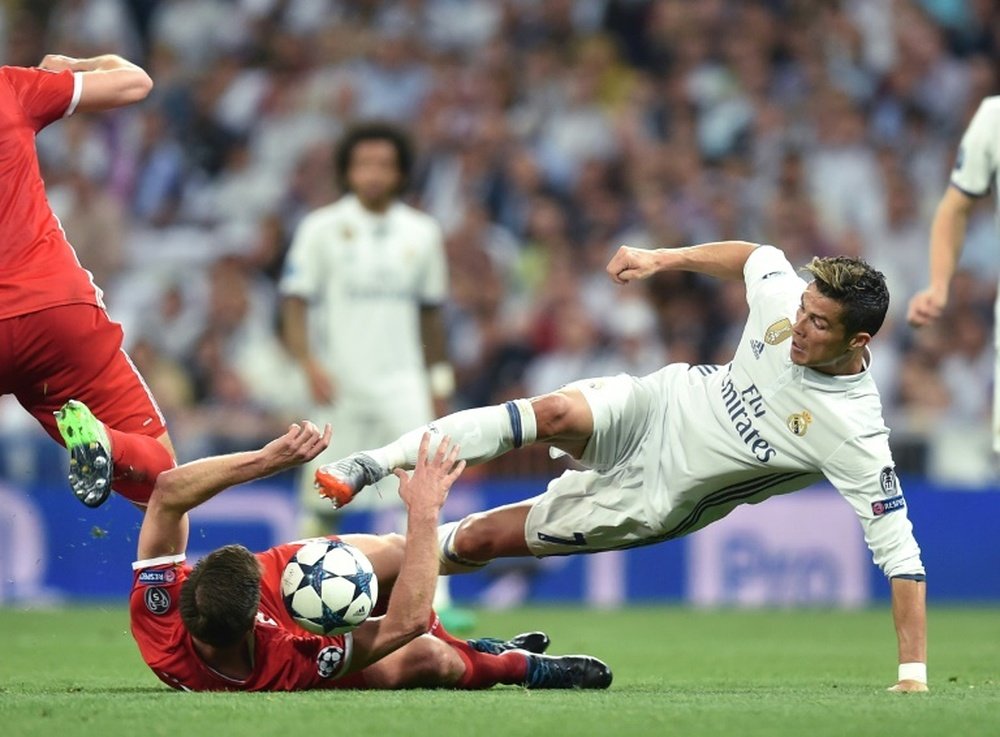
[548, 134]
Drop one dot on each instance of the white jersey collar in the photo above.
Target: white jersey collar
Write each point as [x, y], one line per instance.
[842, 382]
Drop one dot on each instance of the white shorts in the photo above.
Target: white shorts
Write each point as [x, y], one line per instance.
[605, 507]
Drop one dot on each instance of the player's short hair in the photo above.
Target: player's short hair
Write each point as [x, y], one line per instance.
[219, 599]
[373, 130]
[860, 290]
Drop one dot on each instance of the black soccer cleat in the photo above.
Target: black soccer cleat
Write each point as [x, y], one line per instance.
[86, 439]
[566, 671]
[533, 642]
[341, 480]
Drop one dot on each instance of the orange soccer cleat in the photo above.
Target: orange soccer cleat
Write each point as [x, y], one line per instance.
[341, 480]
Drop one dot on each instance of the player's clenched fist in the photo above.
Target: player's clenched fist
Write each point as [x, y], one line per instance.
[630, 264]
[925, 308]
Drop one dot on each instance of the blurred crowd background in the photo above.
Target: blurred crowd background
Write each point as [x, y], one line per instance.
[548, 133]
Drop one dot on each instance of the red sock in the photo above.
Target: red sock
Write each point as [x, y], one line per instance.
[138, 461]
[483, 670]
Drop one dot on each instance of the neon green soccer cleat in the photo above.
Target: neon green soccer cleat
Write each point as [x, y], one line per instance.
[90, 465]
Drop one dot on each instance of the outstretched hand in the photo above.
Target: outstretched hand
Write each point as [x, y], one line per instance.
[908, 686]
[630, 264]
[300, 444]
[432, 476]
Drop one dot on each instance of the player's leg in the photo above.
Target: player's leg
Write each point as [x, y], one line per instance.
[386, 555]
[430, 662]
[562, 419]
[74, 352]
[581, 511]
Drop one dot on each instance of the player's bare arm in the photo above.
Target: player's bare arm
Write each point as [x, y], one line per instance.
[295, 331]
[722, 259]
[947, 238]
[440, 373]
[909, 614]
[409, 609]
[109, 81]
[177, 491]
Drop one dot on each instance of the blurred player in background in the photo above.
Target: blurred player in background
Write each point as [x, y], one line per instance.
[363, 286]
[976, 173]
[222, 626]
[673, 451]
[57, 343]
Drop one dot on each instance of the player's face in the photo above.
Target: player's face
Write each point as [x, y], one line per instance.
[818, 337]
[373, 173]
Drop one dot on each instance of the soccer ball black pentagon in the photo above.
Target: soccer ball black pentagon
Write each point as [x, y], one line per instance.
[329, 587]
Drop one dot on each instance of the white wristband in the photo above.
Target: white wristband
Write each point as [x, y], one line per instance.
[913, 672]
[441, 377]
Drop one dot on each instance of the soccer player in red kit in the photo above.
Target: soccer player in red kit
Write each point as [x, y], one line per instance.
[57, 343]
[222, 624]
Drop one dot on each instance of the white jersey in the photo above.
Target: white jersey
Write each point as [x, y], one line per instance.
[762, 426]
[977, 166]
[366, 276]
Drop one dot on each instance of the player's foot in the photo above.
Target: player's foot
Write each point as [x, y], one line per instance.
[533, 642]
[342, 480]
[89, 449]
[567, 671]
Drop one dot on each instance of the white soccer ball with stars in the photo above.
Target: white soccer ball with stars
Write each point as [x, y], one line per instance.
[329, 587]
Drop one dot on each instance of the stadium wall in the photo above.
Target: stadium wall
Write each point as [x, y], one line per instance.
[804, 549]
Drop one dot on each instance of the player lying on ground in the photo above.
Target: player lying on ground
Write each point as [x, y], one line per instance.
[676, 450]
[223, 626]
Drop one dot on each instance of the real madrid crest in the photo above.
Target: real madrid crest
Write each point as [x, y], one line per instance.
[799, 422]
[778, 331]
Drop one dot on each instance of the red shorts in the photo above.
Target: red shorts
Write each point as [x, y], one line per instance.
[75, 352]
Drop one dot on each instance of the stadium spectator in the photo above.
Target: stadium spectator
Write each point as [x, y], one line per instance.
[709, 108]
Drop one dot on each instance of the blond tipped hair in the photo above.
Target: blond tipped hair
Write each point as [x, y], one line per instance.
[860, 290]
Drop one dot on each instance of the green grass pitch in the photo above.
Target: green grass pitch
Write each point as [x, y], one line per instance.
[677, 672]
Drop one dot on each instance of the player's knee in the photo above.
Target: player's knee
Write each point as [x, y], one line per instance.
[440, 664]
[553, 414]
[479, 537]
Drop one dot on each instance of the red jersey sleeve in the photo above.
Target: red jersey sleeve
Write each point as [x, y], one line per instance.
[154, 608]
[43, 95]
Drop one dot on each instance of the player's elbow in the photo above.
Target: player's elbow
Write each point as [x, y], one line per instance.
[166, 493]
[410, 625]
[138, 89]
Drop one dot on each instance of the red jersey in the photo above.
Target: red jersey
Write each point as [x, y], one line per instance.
[38, 267]
[285, 657]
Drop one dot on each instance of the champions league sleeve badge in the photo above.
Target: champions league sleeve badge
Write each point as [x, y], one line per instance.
[328, 661]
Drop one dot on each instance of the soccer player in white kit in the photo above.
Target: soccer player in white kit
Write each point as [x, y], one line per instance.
[363, 285]
[673, 451]
[976, 172]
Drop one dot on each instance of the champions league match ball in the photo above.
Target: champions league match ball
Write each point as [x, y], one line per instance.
[329, 587]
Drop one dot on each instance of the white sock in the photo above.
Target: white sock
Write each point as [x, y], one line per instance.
[452, 562]
[483, 433]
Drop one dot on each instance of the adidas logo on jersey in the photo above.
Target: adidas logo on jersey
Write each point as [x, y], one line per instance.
[757, 347]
